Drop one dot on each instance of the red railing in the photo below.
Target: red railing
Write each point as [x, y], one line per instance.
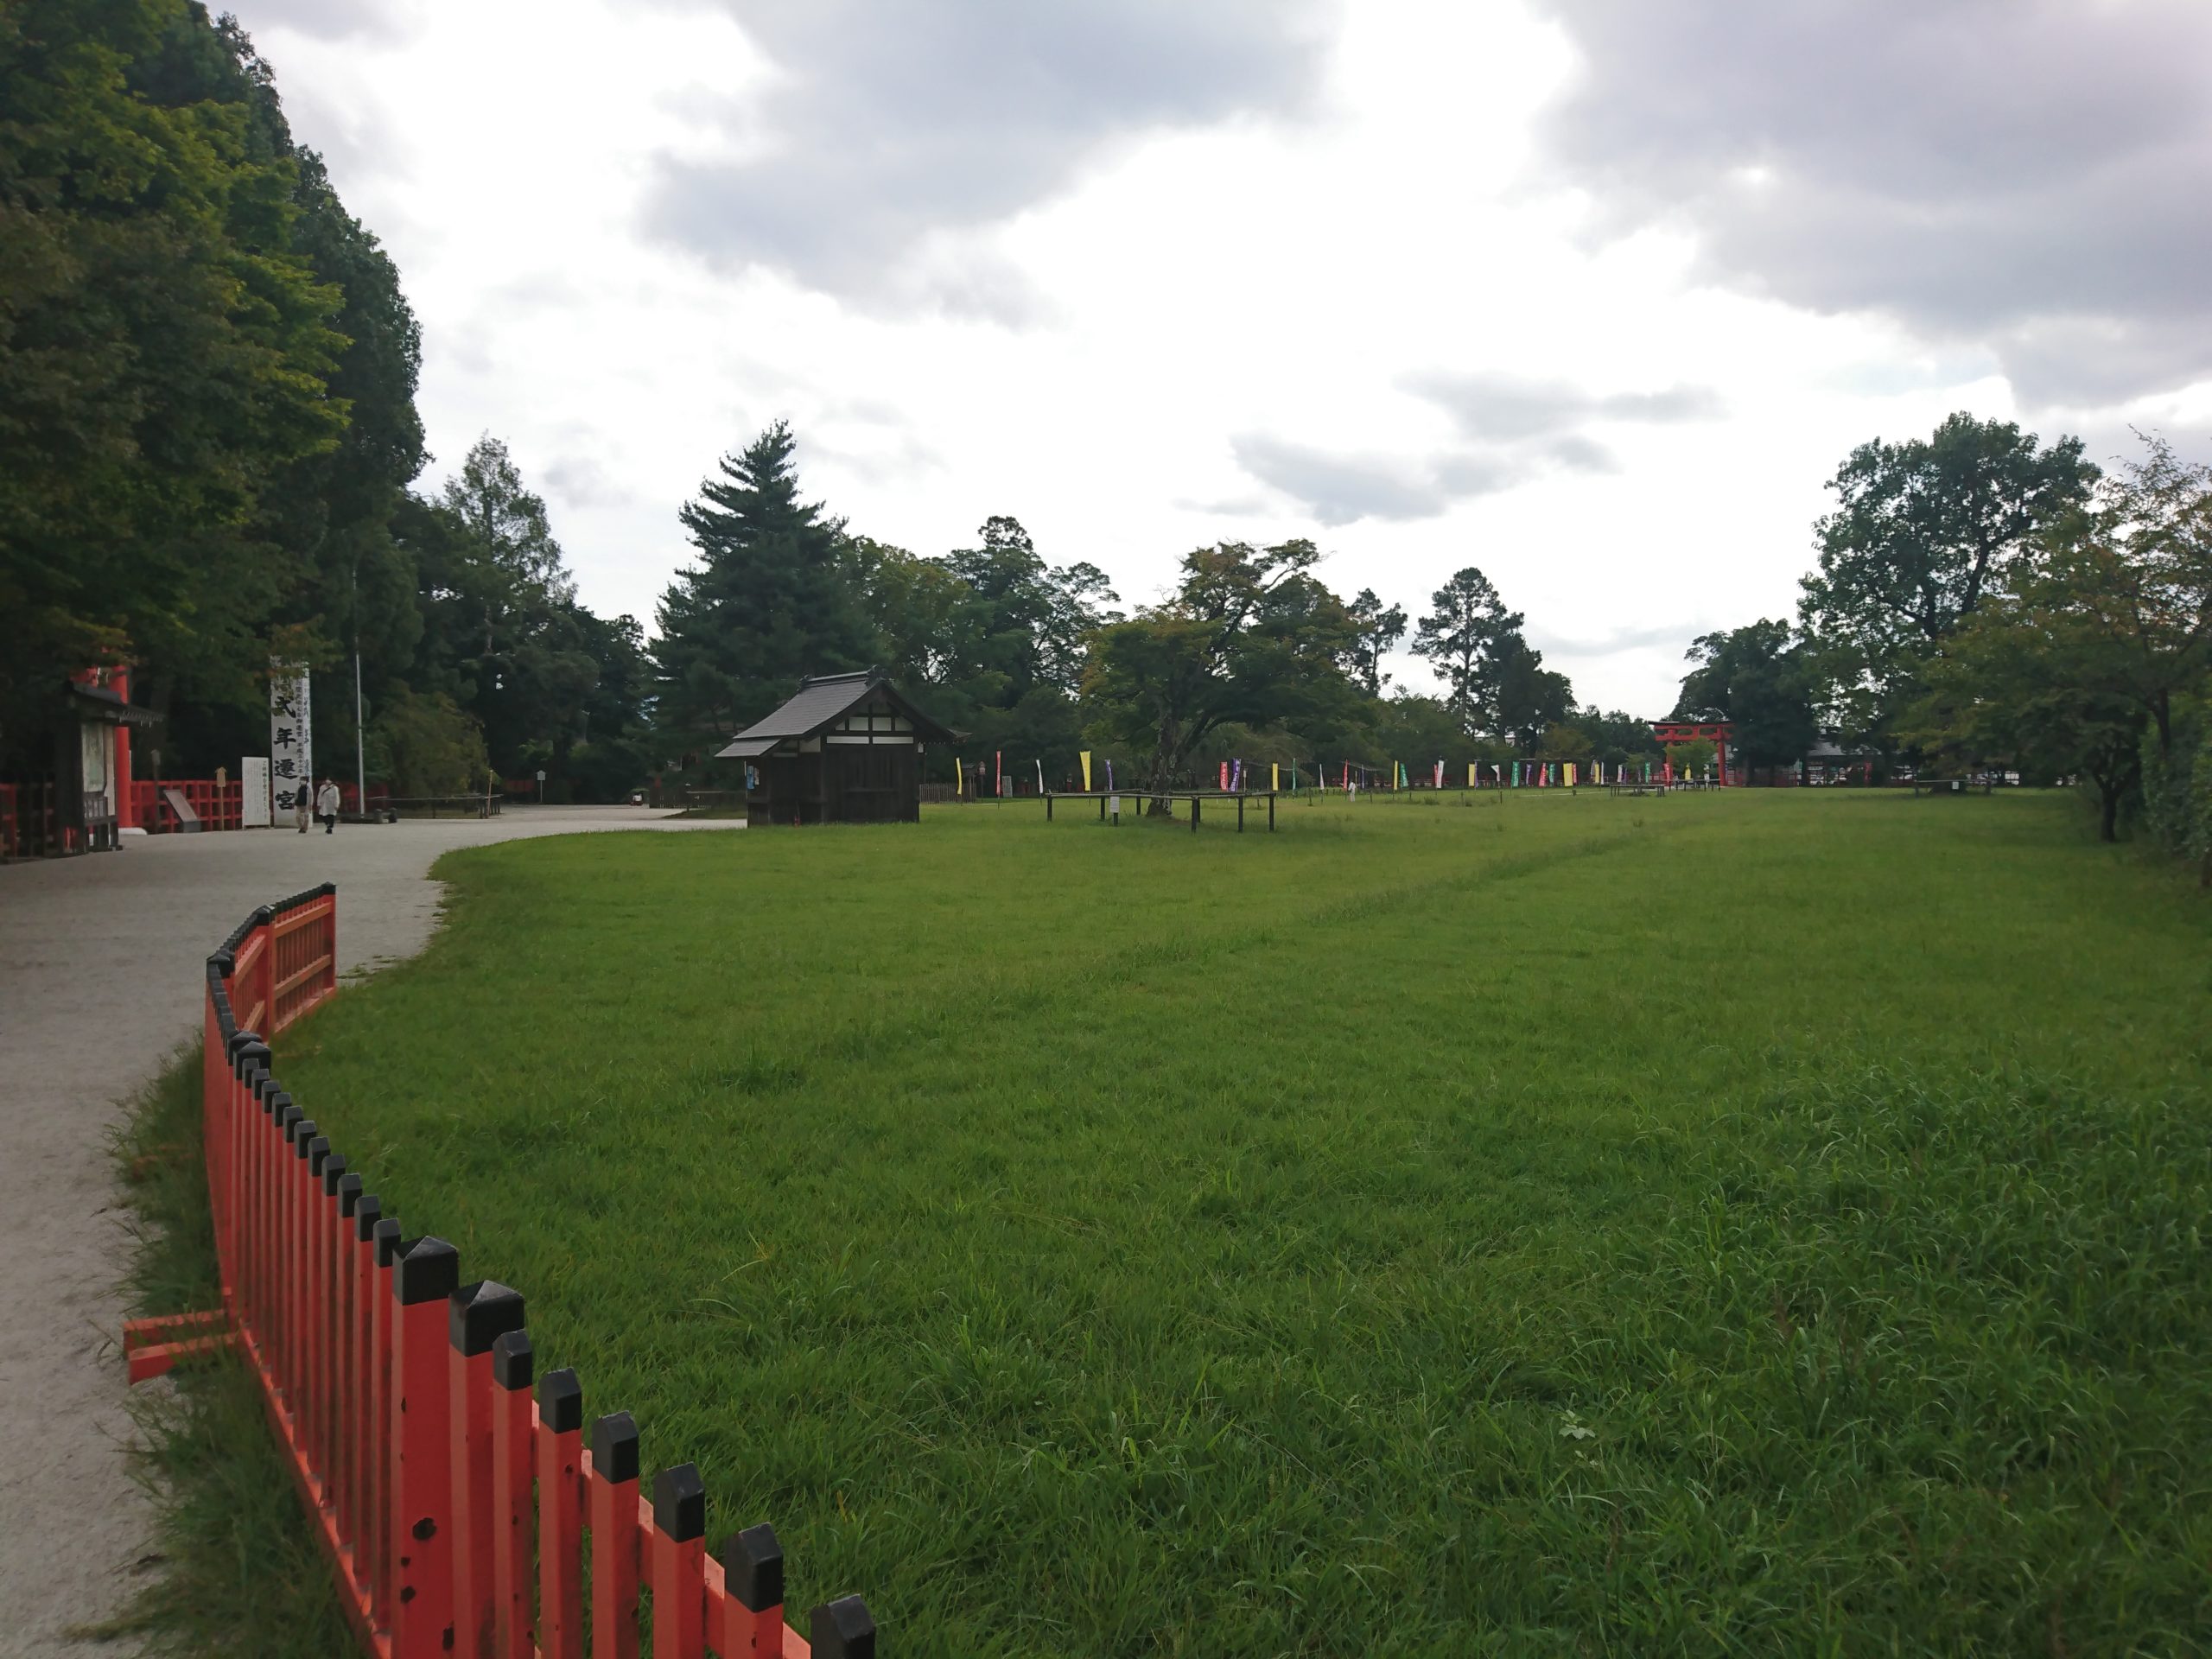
[218, 806]
[28, 828]
[458, 1514]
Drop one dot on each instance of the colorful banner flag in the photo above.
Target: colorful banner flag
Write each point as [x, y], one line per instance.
[959, 775]
[1274, 774]
[1086, 770]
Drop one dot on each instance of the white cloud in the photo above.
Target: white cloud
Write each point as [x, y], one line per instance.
[1345, 268]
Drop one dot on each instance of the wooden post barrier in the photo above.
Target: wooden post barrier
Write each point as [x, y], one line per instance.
[451, 1506]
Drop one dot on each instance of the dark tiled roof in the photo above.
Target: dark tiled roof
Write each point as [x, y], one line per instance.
[106, 705]
[821, 702]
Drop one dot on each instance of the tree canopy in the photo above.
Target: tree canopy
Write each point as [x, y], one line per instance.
[1247, 637]
[1923, 530]
[1469, 638]
[1757, 678]
[766, 604]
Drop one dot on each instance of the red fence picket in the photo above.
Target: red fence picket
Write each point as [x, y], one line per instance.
[402, 1397]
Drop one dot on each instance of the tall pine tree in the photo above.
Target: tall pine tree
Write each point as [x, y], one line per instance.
[766, 604]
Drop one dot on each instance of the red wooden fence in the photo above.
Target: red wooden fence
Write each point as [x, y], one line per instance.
[220, 806]
[458, 1514]
[29, 826]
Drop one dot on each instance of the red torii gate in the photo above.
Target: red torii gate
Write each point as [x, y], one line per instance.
[1715, 732]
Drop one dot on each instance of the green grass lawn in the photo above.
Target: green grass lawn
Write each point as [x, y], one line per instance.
[1771, 1223]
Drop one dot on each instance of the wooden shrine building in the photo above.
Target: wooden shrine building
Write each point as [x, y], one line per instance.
[847, 749]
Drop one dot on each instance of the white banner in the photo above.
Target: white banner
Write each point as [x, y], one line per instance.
[253, 792]
[292, 744]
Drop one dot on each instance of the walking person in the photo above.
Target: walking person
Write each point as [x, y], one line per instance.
[326, 806]
[301, 806]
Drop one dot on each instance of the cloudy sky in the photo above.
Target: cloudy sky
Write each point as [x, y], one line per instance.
[1592, 294]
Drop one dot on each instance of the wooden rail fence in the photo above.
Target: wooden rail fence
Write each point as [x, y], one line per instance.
[463, 1503]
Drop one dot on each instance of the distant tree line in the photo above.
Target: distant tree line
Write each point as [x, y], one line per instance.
[1983, 601]
[1251, 654]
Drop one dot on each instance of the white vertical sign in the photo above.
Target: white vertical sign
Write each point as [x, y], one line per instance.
[291, 749]
[253, 792]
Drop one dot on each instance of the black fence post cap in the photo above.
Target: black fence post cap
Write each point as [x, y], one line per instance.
[480, 1313]
[680, 1502]
[842, 1629]
[368, 1210]
[561, 1402]
[317, 1153]
[386, 1231]
[429, 1272]
[276, 1105]
[614, 1447]
[305, 1136]
[348, 1192]
[290, 1118]
[512, 1360]
[247, 1051]
[753, 1568]
[239, 1040]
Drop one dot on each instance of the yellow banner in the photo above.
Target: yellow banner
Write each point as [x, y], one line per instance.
[1086, 771]
[1274, 774]
[959, 771]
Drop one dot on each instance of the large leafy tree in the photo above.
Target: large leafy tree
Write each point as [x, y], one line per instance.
[166, 348]
[768, 603]
[1923, 532]
[1249, 638]
[350, 587]
[2136, 571]
[1020, 623]
[1467, 636]
[503, 637]
[1614, 736]
[612, 750]
[1376, 629]
[2098, 661]
[909, 601]
[1526, 697]
[1755, 678]
[2031, 683]
[997, 634]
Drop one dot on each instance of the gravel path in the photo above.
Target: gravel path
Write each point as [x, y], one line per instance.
[100, 975]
